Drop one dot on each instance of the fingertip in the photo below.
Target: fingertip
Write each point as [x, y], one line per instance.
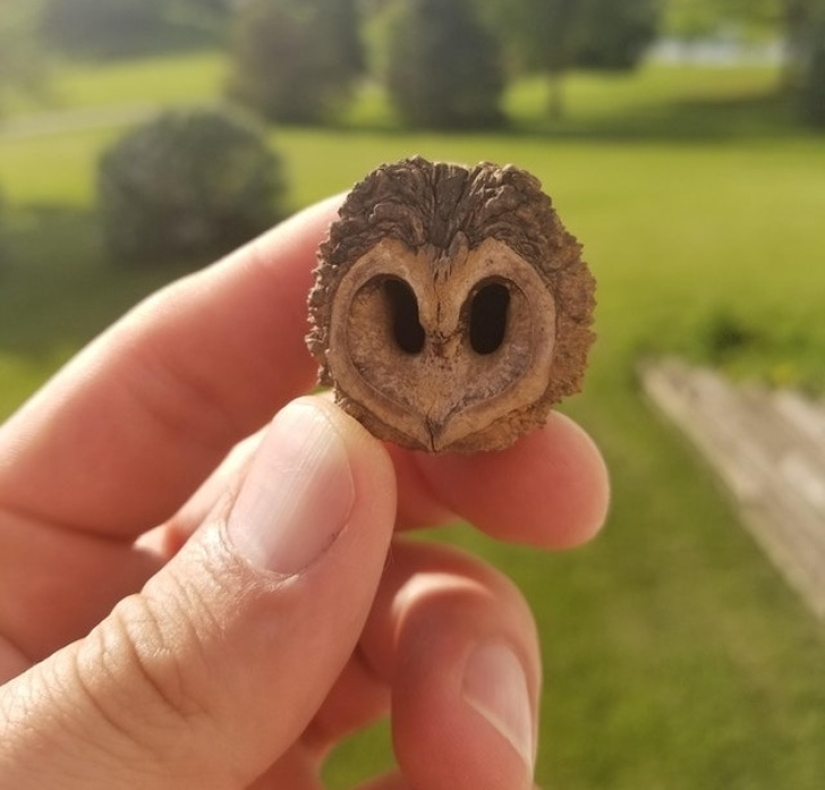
[466, 683]
[308, 224]
[550, 489]
[587, 472]
[372, 464]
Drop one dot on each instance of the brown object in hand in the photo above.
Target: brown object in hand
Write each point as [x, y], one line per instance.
[451, 308]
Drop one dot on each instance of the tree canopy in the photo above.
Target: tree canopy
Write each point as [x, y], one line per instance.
[444, 68]
[554, 36]
[801, 23]
[296, 60]
[697, 18]
[123, 28]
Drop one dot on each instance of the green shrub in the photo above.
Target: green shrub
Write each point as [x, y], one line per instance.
[188, 184]
[444, 69]
[727, 335]
[296, 61]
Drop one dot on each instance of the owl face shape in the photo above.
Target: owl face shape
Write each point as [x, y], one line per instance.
[441, 345]
[451, 308]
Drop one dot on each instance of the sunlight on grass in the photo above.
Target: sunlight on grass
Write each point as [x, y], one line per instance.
[54, 168]
[188, 78]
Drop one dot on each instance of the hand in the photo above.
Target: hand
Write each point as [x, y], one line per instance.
[272, 611]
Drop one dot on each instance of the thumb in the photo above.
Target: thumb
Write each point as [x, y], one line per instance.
[212, 672]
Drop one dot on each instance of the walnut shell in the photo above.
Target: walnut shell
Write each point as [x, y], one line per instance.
[451, 309]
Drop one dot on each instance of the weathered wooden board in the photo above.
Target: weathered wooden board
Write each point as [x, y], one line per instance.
[768, 447]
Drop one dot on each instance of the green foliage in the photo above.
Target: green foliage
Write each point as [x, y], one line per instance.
[554, 36]
[547, 31]
[690, 19]
[125, 28]
[444, 68]
[188, 184]
[614, 35]
[726, 335]
[296, 61]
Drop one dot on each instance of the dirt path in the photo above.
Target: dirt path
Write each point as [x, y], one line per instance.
[769, 449]
[62, 121]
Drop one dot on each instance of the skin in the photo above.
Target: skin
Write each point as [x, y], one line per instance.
[141, 647]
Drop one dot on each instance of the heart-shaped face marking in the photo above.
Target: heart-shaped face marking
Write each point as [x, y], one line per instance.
[451, 308]
[442, 349]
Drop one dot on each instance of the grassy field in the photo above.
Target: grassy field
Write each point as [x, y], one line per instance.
[676, 658]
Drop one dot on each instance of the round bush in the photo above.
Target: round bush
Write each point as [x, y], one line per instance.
[187, 184]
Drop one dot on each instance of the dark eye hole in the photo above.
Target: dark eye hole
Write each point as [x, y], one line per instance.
[406, 328]
[488, 318]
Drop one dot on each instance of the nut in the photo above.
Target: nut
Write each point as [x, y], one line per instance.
[451, 309]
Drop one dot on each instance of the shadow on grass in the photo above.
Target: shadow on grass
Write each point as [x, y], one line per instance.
[768, 115]
[772, 115]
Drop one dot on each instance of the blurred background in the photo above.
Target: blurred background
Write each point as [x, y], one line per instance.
[683, 141]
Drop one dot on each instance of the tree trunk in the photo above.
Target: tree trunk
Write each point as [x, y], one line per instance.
[797, 22]
[812, 96]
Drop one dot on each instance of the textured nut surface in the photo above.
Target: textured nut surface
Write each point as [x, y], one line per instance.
[451, 308]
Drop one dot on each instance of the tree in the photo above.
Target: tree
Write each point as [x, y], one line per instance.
[444, 67]
[554, 36]
[188, 183]
[296, 60]
[804, 25]
[800, 22]
[691, 19]
[614, 35]
[812, 93]
[124, 28]
[102, 28]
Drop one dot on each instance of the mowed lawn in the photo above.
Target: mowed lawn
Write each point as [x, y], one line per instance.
[676, 658]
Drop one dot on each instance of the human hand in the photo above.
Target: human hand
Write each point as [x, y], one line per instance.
[234, 644]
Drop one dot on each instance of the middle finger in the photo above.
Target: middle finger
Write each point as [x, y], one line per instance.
[453, 644]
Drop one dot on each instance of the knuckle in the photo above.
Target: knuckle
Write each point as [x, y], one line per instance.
[145, 672]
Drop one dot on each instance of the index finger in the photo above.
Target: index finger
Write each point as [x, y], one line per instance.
[551, 489]
[129, 428]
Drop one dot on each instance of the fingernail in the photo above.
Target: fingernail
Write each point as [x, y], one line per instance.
[298, 492]
[495, 685]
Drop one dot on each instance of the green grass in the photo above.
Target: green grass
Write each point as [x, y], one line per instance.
[656, 101]
[194, 78]
[676, 657]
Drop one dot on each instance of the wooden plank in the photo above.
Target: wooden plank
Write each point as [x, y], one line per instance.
[768, 449]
